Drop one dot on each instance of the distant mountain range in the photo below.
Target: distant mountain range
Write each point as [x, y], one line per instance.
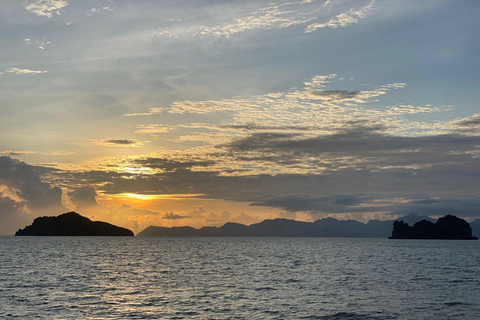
[475, 227]
[328, 227]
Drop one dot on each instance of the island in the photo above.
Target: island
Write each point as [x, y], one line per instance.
[449, 227]
[71, 224]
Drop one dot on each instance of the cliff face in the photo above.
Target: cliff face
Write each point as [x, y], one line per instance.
[448, 227]
[71, 224]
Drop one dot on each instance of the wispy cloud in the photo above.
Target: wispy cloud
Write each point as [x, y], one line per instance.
[344, 19]
[279, 15]
[45, 8]
[17, 153]
[45, 153]
[24, 71]
[317, 107]
[153, 129]
[42, 45]
[110, 7]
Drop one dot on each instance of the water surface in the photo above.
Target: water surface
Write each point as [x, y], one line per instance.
[238, 278]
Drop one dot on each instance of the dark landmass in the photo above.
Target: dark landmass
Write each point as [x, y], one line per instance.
[71, 224]
[448, 227]
[328, 227]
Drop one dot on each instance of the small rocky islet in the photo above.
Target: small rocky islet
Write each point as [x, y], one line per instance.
[447, 228]
[71, 224]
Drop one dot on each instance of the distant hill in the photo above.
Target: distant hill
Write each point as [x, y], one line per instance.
[328, 227]
[475, 224]
[449, 227]
[412, 218]
[71, 224]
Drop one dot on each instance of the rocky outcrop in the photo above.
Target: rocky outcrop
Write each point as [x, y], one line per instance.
[71, 224]
[448, 227]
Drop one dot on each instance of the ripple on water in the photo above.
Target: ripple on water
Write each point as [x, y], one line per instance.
[238, 278]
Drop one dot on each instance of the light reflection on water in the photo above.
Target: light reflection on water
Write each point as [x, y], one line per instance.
[243, 278]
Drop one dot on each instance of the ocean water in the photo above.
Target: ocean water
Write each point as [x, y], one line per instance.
[238, 278]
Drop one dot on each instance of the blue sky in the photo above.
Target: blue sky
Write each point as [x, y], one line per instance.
[173, 108]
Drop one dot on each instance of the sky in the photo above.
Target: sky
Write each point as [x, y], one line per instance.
[197, 113]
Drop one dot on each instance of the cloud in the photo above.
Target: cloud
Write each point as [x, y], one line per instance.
[465, 207]
[42, 45]
[344, 19]
[12, 215]
[149, 113]
[330, 204]
[358, 147]
[323, 148]
[84, 197]
[272, 17]
[118, 142]
[172, 216]
[348, 171]
[153, 129]
[45, 8]
[24, 71]
[276, 16]
[287, 215]
[24, 179]
[23, 195]
[29, 152]
[17, 153]
[170, 164]
[110, 8]
[467, 125]
[336, 95]
[315, 107]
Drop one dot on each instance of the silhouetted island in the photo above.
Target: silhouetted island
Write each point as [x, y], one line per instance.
[71, 224]
[328, 227]
[448, 227]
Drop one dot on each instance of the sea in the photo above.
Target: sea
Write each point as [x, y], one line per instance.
[238, 278]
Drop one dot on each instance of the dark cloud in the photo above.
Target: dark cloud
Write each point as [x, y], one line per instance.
[84, 197]
[257, 127]
[172, 216]
[25, 192]
[12, 215]
[334, 191]
[171, 165]
[472, 121]
[336, 95]
[345, 172]
[355, 141]
[358, 147]
[26, 182]
[121, 142]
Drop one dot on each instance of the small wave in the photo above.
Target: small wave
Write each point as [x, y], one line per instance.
[456, 303]
[264, 289]
[347, 316]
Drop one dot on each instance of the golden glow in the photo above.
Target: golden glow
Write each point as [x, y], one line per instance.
[147, 197]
